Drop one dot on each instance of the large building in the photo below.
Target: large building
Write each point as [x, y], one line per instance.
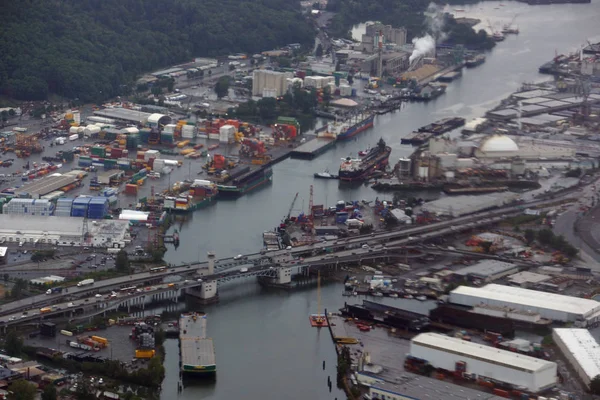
[485, 362]
[267, 83]
[63, 231]
[551, 306]
[133, 116]
[391, 35]
[581, 351]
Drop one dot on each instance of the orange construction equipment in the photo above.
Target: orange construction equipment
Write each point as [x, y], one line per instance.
[219, 161]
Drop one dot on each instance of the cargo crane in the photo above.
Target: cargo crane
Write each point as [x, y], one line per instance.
[289, 214]
[284, 132]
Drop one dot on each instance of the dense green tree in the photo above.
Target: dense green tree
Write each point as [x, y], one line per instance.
[22, 390]
[13, 344]
[222, 86]
[122, 261]
[49, 393]
[89, 50]
[529, 236]
[595, 385]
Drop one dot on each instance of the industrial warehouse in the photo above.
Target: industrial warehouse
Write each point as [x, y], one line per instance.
[581, 350]
[484, 362]
[550, 306]
[63, 231]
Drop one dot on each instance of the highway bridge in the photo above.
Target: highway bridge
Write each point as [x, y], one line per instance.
[342, 251]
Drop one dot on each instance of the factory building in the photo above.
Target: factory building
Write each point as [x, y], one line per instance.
[133, 116]
[391, 35]
[581, 350]
[63, 231]
[486, 271]
[267, 83]
[484, 362]
[550, 306]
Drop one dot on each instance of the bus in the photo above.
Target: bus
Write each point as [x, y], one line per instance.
[128, 289]
[158, 269]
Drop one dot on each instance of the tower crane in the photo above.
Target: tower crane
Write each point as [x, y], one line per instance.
[289, 214]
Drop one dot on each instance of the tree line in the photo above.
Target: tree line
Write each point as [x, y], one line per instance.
[409, 14]
[92, 50]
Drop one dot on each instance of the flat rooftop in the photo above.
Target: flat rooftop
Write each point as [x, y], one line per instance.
[486, 268]
[481, 352]
[47, 185]
[124, 114]
[422, 387]
[584, 348]
[197, 351]
[531, 298]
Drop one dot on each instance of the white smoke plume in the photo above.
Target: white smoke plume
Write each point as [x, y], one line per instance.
[434, 19]
[422, 46]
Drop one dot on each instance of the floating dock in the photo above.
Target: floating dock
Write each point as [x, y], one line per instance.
[313, 147]
[197, 351]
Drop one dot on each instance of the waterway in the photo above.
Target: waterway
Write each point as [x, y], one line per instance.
[264, 344]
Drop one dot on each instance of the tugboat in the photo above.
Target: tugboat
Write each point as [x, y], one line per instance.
[360, 169]
[325, 175]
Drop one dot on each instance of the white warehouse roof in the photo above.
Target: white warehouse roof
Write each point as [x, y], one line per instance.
[584, 350]
[482, 352]
[549, 305]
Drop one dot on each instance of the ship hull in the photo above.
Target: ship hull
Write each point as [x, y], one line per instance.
[193, 207]
[380, 162]
[357, 128]
[199, 370]
[235, 191]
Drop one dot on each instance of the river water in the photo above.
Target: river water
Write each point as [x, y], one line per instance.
[265, 347]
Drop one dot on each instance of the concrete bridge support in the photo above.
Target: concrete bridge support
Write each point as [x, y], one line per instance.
[211, 264]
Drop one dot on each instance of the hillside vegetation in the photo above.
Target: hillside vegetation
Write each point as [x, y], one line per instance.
[94, 49]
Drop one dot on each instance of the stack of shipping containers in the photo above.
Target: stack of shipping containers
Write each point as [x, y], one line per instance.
[98, 208]
[63, 207]
[80, 207]
[41, 207]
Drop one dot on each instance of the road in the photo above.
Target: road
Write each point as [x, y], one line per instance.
[341, 247]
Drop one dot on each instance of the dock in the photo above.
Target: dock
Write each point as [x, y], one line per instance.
[197, 351]
[313, 147]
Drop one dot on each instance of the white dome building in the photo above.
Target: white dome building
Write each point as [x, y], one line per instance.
[497, 146]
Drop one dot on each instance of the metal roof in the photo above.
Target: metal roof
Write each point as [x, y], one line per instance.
[124, 114]
[481, 352]
[584, 348]
[531, 298]
[486, 268]
[47, 185]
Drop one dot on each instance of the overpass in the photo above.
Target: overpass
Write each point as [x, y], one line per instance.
[346, 250]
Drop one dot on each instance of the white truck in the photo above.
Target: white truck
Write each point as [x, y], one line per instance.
[85, 282]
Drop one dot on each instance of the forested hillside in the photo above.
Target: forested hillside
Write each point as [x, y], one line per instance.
[93, 49]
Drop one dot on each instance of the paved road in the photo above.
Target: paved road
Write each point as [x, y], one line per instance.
[397, 237]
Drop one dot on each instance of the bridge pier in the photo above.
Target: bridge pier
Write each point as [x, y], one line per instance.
[211, 263]
[206, 292]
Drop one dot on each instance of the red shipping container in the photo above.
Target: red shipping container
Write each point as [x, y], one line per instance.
[151, 162]
[501, 393]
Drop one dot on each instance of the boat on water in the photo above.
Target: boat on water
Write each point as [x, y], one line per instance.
[394, 295]
[363, 153]
[349, 127]
[378, 294]
[421, 298]
[408, 296]
[509, 30]
[200, 194]
[472, 62]
[325, 175]
[360, 169]
[498, 36]
[197, 352]
[246, 182]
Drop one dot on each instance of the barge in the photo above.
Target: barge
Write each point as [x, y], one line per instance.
[197, 351]
[432, 130]
[246, 182]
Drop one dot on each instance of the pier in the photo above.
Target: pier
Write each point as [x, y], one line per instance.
[197, 351]
[313, 147]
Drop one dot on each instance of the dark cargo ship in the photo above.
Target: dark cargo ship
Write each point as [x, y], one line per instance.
[472, 62]
[245, 180]
[432, 130]
[360, 169]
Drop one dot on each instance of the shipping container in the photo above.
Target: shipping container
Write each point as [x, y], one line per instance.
[144, 353]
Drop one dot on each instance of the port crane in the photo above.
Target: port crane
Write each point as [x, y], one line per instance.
[289, 214]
